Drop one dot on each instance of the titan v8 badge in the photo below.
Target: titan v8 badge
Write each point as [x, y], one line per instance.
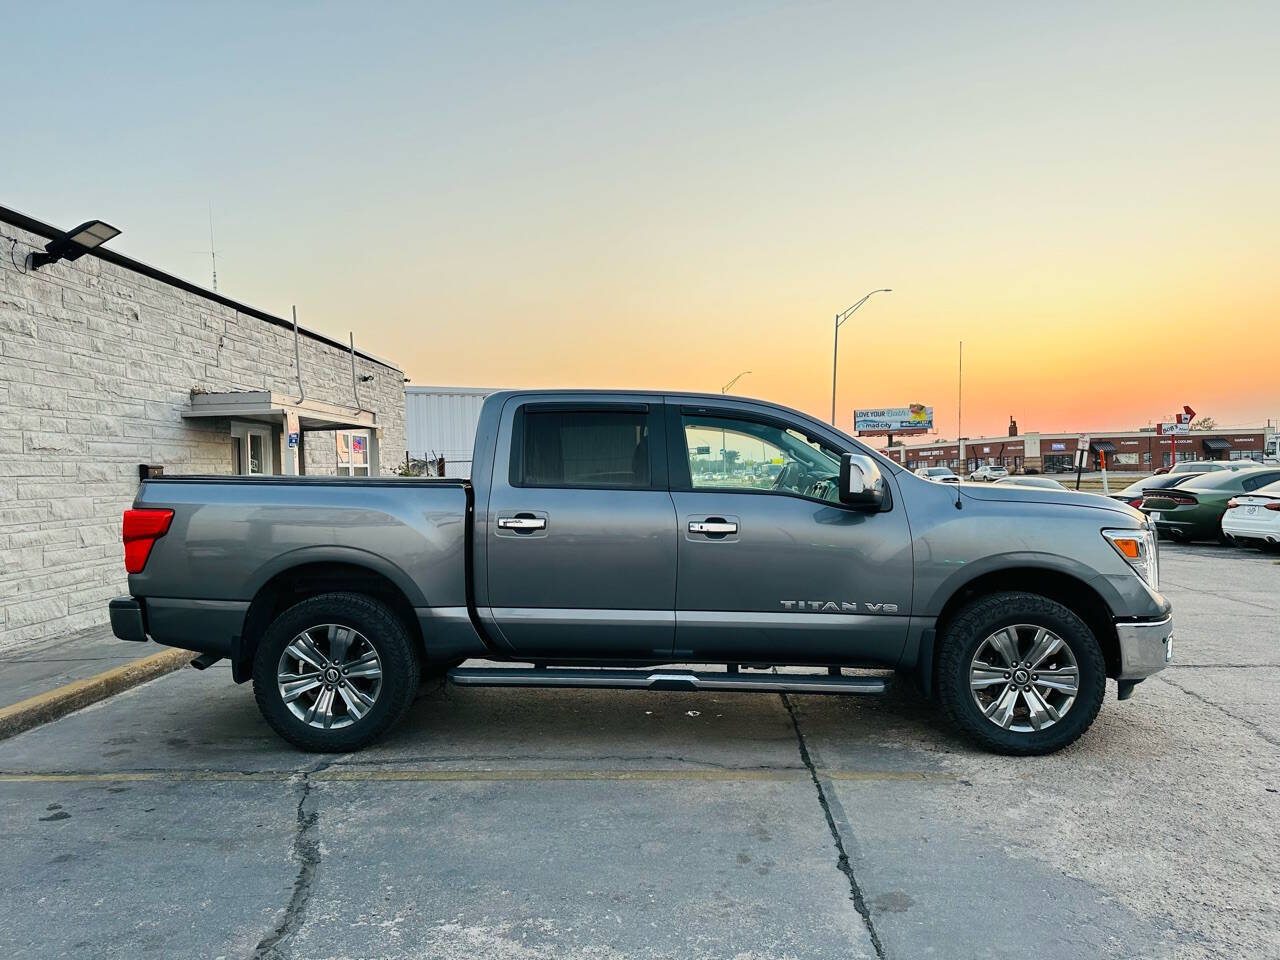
[831, 606]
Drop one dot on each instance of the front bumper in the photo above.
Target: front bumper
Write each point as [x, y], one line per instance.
[1145, 647]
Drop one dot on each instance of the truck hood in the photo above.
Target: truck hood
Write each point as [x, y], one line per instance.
[1009, 493]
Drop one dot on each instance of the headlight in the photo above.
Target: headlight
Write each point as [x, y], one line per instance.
[1140, 550]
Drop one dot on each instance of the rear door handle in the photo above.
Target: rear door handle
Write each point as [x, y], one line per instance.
[712, 526]
[522, 523]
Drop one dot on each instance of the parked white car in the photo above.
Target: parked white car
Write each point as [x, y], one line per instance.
[938, 474]
[989, 472]
[1047, 483]
[1254, 518]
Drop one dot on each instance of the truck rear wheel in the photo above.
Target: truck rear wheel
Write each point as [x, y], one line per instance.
[334, 672]
[1020, 673]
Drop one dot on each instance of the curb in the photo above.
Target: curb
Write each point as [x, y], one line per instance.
[53, 704]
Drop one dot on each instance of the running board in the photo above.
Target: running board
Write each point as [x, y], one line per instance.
[683, 680]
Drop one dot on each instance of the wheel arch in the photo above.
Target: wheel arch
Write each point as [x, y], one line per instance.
[310, 578]
[1072, 592]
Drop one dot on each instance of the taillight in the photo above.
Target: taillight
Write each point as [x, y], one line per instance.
[1135, 502]
[142, 528]
[1232, 503]
[1273, 505]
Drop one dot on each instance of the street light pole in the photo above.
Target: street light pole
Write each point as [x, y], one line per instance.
[724, 454]
[835, 349]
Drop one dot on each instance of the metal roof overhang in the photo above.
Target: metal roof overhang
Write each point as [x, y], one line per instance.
[1104, 446]
[1216, 443]
[268, 407]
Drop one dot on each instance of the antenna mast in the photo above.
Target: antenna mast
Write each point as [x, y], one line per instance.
[213, 250]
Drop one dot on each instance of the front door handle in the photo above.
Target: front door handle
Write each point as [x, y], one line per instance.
[712, 526]
[522, 523]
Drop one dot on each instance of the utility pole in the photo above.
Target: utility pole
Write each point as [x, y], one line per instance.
[959, 410]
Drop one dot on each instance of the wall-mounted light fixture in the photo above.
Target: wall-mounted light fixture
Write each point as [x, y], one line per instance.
[74, 244]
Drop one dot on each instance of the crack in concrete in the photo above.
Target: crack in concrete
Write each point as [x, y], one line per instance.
[842, 862]
[1255, 727]
[306, 850]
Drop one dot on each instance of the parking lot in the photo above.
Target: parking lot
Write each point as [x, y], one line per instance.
[169, 821]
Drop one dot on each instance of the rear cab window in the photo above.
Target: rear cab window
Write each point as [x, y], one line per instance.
[590, 447]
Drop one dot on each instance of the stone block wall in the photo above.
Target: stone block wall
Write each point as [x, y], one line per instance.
[96, 362]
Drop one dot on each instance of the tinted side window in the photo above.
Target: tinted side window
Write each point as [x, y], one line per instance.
[595, 448]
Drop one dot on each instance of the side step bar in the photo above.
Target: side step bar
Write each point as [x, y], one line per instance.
[684, 680]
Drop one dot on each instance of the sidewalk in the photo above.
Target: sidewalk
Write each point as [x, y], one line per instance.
[44, 681]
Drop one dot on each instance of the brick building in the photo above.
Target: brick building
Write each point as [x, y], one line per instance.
[107, 364]
[1133, 451]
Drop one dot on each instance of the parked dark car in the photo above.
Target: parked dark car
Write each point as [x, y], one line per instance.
[1132, 494]
[1193, 510]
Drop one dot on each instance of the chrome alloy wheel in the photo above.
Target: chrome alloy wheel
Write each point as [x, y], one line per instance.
[329, 676]
[1024, 678]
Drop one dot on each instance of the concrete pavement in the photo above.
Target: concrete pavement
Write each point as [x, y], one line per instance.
[169, 821]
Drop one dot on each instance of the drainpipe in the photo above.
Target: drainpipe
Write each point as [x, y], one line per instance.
[355, 389]
[297, 362]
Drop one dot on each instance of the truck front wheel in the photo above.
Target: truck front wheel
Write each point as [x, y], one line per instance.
[334, 672]
[1020, 673]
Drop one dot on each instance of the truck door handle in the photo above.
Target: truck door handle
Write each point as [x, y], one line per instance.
[712, 526]
[522, 523]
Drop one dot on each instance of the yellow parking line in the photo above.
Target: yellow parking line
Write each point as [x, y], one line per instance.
[466, 776]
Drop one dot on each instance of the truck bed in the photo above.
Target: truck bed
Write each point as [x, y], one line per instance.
[230, 537]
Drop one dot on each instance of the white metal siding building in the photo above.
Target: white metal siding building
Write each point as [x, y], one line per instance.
[441, 422]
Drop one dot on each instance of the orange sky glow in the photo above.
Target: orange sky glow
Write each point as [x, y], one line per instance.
[664, 195]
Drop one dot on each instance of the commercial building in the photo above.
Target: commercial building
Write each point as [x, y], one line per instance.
[109, 368]
[1133, 451]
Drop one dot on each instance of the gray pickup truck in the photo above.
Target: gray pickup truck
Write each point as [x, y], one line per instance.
[606, 536]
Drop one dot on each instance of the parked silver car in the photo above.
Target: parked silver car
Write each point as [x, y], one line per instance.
[989, 472]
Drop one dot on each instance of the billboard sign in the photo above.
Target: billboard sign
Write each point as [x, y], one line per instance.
[913, 418]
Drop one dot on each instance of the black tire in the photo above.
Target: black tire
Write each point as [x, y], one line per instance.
[982, 618]
[381, 628]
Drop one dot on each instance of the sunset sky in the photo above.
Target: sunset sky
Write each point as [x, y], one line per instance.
[667, 194]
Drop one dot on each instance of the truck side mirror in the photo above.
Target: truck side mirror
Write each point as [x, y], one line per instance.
[861, 482]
